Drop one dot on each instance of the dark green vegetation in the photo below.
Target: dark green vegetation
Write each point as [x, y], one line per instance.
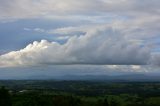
[79, 93]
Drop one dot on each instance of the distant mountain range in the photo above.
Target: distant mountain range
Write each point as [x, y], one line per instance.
[128, 77]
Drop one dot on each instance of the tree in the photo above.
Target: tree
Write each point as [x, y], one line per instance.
[5, 97]
[113, 102]
[102, 102]
[105, 102]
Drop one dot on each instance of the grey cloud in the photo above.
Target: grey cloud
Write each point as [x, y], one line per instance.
[20, 9]
[55, 71]
[155, 59]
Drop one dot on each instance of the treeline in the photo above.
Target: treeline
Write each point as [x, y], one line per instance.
[44, 98]
[87, 88]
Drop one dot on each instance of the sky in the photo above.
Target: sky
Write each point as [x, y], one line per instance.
[79, 37]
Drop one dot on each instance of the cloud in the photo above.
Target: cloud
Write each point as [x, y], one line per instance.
[39, 30]
[144, 28]
[91, 37]
[155, 59]
[99, 46]
[55, 71]
[27, 29]
[22, 9]
[69, 30]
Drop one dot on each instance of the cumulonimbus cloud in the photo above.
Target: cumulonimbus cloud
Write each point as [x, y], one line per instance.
[100, 46]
